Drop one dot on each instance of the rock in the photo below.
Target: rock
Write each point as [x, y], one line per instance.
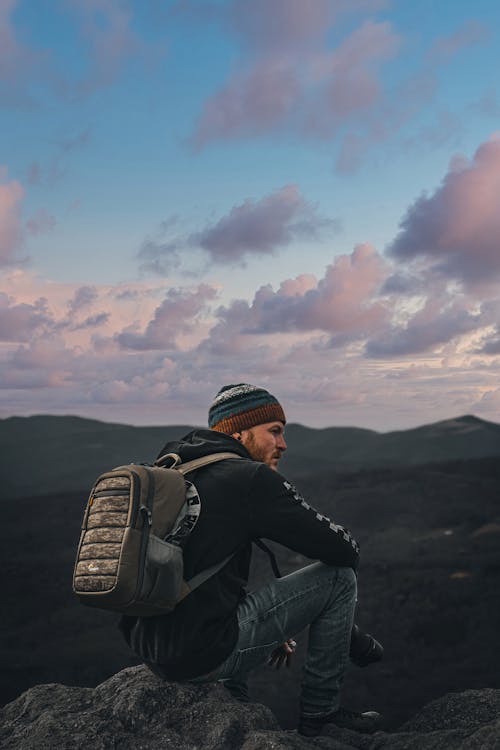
[134, 710]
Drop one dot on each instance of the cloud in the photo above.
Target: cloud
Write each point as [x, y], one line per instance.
[252, 228]
[428, 328]
[105, 27]
[352, 83]
[457, 228]
[170, 362]
[11, 195]
[83, 297]
[344, 302]
[251, 103]
[20, 321]
[282, 25]
[159, 257]
[446, 47]
[288, 75]
[93, 321]
[44, 363]
[260, 227]
[178, 314]
[17, 62]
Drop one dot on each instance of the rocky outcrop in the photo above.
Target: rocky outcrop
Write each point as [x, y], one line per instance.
[134, 710]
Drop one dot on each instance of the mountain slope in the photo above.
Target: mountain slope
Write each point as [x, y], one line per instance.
[52, 454]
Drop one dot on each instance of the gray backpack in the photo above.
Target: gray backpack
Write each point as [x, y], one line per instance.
[136, 522]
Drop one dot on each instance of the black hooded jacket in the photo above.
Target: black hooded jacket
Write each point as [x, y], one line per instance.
[241, 500]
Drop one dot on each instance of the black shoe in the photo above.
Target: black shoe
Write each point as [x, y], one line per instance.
[367, 722]
[364, 648]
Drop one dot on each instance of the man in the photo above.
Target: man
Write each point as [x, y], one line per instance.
[219, 632]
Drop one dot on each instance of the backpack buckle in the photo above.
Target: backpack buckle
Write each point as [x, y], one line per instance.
[162, 459]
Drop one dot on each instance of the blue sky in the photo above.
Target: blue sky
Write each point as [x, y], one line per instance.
[299, 193]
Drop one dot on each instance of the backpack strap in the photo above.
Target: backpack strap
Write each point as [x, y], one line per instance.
[185, 468]
[197, 463]
[197, 580]
[272, 558]
[200, 578]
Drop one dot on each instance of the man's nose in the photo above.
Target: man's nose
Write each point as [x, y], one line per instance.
[281, 443]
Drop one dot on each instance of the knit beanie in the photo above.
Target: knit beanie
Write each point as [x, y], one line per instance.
[241, 406]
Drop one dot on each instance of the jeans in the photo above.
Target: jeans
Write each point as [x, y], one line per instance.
[319, 596]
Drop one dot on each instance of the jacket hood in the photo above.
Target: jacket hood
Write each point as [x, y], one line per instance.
[200, 443]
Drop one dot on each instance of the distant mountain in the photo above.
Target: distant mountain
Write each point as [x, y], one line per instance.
[45, 454]
[350, 448]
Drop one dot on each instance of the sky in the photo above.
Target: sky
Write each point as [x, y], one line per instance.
[299, 194]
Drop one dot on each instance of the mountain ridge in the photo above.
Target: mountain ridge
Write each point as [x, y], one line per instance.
[71, 451]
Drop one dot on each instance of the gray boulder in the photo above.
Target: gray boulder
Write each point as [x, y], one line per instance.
[134, 710]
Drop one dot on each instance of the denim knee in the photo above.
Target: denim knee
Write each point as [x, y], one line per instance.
[343, 578]
[348, 577]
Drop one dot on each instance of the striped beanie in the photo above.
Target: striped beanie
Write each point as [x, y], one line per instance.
[241, 406]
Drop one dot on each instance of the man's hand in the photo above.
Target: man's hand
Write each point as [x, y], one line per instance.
[283, 654]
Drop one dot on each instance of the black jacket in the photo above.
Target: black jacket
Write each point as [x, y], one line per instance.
[241, 500]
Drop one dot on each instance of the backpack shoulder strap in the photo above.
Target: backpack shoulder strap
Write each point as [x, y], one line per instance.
[200, 578]
[272, 558]
[197, 463]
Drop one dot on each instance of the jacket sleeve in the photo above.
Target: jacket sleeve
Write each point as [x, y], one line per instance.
[278, 512]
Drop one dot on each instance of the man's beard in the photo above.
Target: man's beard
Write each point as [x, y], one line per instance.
[259, 453]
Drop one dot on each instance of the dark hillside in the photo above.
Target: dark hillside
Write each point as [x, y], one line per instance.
[428, 586]
[349, 448]
[45, 454]
[53, 454]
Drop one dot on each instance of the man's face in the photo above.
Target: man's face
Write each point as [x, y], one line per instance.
[264, 442]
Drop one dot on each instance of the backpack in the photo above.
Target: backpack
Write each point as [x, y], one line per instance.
[137, 519]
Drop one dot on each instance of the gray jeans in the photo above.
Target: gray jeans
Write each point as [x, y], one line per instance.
[319, 596]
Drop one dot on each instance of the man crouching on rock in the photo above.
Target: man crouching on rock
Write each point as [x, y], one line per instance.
[221, 632]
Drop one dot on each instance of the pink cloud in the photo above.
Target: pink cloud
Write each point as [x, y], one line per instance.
[353, 84]
[251, 103]
[260, 227]
[457, 229]
[432, 326]
[177, 314]
[343, 303]
[446, 47]
[284, 335]
[44, 363]
[283, 24]
[11, 195]
[16, 60]
[274, 87]
[19, 321]
[10, 50]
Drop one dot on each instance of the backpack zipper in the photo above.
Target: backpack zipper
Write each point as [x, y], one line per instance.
[146, 511]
